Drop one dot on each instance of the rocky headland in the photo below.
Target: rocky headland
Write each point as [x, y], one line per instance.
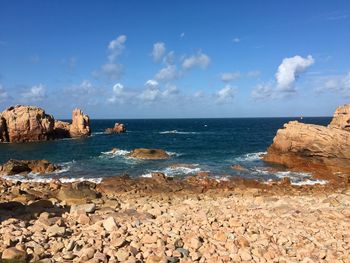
[323, 151]
[28, 123]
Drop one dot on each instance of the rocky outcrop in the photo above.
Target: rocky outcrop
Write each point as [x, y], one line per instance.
[12, 167]
[28, 123]
[150, 154]
[314, 148]
[25, 123]
[118, 128]
[341, 118]
[80, 126]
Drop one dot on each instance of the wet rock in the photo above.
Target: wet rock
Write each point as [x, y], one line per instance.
[151, 154]
[12, 167]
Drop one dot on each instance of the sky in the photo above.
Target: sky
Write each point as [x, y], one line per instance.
[176, 59]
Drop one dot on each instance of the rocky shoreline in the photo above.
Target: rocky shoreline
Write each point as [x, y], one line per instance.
[160, 219]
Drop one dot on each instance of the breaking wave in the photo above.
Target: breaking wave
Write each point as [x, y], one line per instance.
[177, 132]
[250, 157]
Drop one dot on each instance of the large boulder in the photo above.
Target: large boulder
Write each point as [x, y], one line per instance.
[314, 148]
[150, 154]
[25, 123]
[118, 128]
[12, 167]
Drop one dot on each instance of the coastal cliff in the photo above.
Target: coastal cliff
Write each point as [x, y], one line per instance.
[314, 148]
[29, 123]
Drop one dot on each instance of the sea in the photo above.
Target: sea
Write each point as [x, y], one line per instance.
[194, 145]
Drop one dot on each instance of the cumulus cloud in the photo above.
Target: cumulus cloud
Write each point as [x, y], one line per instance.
[170, 91]
[167, 73]
[151, 83]
[200, 60]
[226, 94]
[120, 94]
[287, 74]
[84, 88]
[229, 76]
[158, 51]
[35, 93]
[116, 47]
[112, 69]
[3, 94]
[169, 58]
[290, 69]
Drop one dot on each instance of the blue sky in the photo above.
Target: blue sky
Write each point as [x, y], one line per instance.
[159, 59]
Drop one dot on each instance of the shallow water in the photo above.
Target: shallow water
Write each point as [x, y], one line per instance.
[194, 145]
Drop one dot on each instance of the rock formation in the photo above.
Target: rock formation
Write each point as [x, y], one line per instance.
[150, 154]
[28, 123]
[12, 167]
[118, 128]
[25, 123]
[314, 148]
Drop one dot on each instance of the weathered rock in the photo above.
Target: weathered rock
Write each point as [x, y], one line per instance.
[80, 126]
[28, 123]
[151, 154]
[14, 253]
[341, 118]
[109, 224]
[25, 123]
[88, 208]
[118, 128]
[12, 167]
[314, 148]
[77, 193]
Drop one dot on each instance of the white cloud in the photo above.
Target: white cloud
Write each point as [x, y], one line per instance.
[229, 76]
[111, 70]
[199, 60]
[287, 74]
[3, 94]
[84, 88]
[169, 58]
[158, 51]
[290, 69]
[182, 35]
[338, 84]
[236, 40]
[35, 93]
[226, 94]
[199, 94]
[116, 47]
[263, 91]
[253, 73]
[151, 83]
[170, 91]
[167, 73]
[120, 94]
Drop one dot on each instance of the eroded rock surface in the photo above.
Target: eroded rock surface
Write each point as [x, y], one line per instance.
[28, 123]
[314, 148]
[25, 123]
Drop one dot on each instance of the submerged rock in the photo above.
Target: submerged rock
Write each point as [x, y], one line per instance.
[150, 154]
[118, 128]
[314, 148]
[12, 167]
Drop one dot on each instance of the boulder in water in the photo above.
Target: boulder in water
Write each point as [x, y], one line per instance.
[150, 154]
[118, 128]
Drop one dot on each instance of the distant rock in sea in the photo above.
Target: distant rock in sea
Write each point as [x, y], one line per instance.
[150, 154]
[118, 128]
[29, 123]
[314, 148]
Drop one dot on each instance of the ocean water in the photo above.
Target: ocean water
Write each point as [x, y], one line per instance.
[194, 145]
